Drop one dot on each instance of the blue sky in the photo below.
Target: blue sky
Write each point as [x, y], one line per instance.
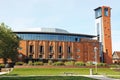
[76, 16]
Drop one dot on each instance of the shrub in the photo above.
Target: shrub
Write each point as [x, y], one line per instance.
[69, 63]
[101, 64]
[50, 62]
[89, 63]
[30, 63]
[19, 63]
[59, 63]
[79, 63]
[25, 64]
[38, 63]
[2, 65]
[114, 66]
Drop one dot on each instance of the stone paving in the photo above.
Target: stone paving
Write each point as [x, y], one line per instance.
[1, 73]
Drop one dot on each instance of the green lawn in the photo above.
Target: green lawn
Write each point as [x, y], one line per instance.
[114, 76]
[47, 78]
[108, 71]
[56, 73]
[48, 71]
[60, 71]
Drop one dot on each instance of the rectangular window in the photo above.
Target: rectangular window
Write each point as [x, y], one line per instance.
[98, 33]
[69, 49]
[106, 11]
[41, 49]
[60, 49]
[31, 49]
[76, 39]
[98, 13]
[50, 56]
[51, 49]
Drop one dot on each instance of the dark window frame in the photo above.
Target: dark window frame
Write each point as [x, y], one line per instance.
[106, 11]
[51, 49]
[69, 49]
[31, 48]
[60, 49]
[41, 49]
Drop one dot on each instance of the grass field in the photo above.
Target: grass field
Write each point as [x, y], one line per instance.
[56, 73]
[114, 76]
[48, 71]
[60, 71]
[47, 78]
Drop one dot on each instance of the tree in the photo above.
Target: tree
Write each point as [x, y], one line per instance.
[9, 43]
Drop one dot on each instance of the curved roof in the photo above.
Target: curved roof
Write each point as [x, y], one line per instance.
[54, 30]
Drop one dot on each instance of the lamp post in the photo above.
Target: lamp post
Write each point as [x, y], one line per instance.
[95, 50]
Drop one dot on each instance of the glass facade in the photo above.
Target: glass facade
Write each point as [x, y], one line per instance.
[98, 13]
[51, 37]
[106, 11]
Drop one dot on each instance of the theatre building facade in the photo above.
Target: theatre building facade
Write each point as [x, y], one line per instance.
[57, 45]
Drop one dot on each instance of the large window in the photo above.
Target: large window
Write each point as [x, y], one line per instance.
[51, 37]
[77, 39]
[31, 50]
[60, 49]
[106, 11]
[51, 49]
[98, 29]
[98, 13]
[41, 49]
[69, 50]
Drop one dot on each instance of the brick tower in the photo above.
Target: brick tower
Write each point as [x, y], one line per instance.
[103, 25]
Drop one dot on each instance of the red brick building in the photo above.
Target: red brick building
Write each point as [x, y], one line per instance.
[60, 45]
[68, 47]
[103, 25]
[116, 57]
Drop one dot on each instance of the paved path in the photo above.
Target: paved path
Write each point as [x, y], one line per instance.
[1, 73]
[8, 70]
[100, 77]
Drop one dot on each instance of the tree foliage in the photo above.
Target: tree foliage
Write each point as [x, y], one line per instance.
[9, 43]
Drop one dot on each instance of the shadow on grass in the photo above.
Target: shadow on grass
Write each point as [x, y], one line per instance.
[9, 75]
